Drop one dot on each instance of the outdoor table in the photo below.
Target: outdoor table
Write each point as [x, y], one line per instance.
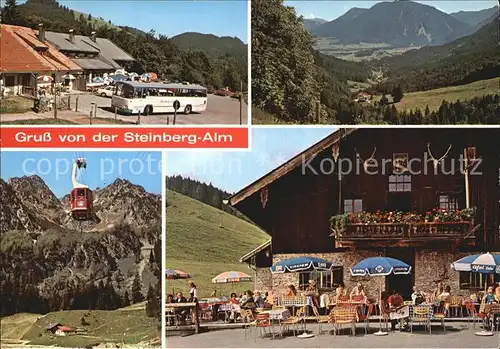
[226, 308]
[278, 315]
[194, 312]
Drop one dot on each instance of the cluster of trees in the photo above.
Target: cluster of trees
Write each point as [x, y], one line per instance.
[479, 110]
[187, 57]
[206, 193]
[289, 78]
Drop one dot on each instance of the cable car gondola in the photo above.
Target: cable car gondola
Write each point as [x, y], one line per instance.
[81, 196]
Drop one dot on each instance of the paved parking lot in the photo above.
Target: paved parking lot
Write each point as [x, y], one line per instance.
[456, 336]
[220, 110]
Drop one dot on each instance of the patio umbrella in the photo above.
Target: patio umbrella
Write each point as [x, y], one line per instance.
[230, 277]
[118, 77]
[380, 266]
[299, 264]
[97, 79]
[45, 78]
[486, 263]
[176, 274]
[68, 76]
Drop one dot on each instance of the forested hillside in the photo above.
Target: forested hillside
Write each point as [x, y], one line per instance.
[289, 77]
[476, 57]
[216, 62]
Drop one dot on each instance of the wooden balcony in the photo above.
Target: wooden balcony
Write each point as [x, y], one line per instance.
[405, 234]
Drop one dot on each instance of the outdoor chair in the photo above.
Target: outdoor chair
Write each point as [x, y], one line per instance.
[456, 303]
[171, 317]
[421, 315]
[441, 313]
[473, 316]
[344, 316]
[249, 321]
[205, 312]
[493, 316]
[321, 319]
[295, 321]
[364, 315]
[262, 322]
[343, 300]
[357, 299]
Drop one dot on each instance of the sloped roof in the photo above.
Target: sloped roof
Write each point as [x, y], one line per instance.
[93, 64]
[105, 47]
[288, 166]
[256, 250]
[61, 40]
[22, 52]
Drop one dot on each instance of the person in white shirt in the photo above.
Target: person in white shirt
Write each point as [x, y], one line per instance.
[193, 292]
[417, 297]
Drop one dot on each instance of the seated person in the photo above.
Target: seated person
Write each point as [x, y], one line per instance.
[386, 309]
[180, 312]
[395, 300]
[259, 301]
[291, 291]
[170, 320]
[417, 296]
[233, 299]
[312, 291]
[358, 290]
[490, 296]
[446, 294]
[497, 294]
[249, 302]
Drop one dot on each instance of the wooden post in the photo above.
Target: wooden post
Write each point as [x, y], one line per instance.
[54, 105]
[196, 318]
[139, 118]
[76, 105]
[168, 120]
[69, 101]
[466, 169]
[95, 108]
[116, 110]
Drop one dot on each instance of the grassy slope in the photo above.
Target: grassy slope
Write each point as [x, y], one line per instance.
[204, 241]
[127, 325]
[434, 98]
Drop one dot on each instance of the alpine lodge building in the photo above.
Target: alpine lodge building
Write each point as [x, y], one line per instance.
[424, 196]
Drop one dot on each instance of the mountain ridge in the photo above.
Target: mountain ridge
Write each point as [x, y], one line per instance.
[400, 24]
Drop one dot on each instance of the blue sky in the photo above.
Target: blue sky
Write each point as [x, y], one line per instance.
[171, 17]
[232, 171]
[330, 10]
[141, 168]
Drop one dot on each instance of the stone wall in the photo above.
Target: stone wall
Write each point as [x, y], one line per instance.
[263, 280]
[344, 259]
[430, 268]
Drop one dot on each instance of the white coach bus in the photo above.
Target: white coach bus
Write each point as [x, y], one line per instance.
[147, 98]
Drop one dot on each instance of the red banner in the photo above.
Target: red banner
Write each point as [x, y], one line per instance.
[105, 137]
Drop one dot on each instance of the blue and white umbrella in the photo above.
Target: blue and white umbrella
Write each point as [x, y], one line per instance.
[380, 266]
[299, 264]
[478, 263]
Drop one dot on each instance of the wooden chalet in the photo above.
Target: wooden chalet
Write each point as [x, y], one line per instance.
[407, 176]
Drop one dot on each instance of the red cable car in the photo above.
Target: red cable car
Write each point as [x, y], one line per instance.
[81, 200]
[81, 204]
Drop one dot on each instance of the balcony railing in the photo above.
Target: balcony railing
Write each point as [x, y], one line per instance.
[404, 230]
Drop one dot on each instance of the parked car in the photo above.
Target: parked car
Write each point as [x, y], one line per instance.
[223, 92]
[105, 91]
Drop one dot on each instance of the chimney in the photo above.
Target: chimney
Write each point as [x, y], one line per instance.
[72, 36]
[92, 36]
[41, 32]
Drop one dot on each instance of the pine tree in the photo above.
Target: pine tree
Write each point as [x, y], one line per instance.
[89, 18]
[397, 94]
[10, 13]
[137, 295]
[126, 299]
